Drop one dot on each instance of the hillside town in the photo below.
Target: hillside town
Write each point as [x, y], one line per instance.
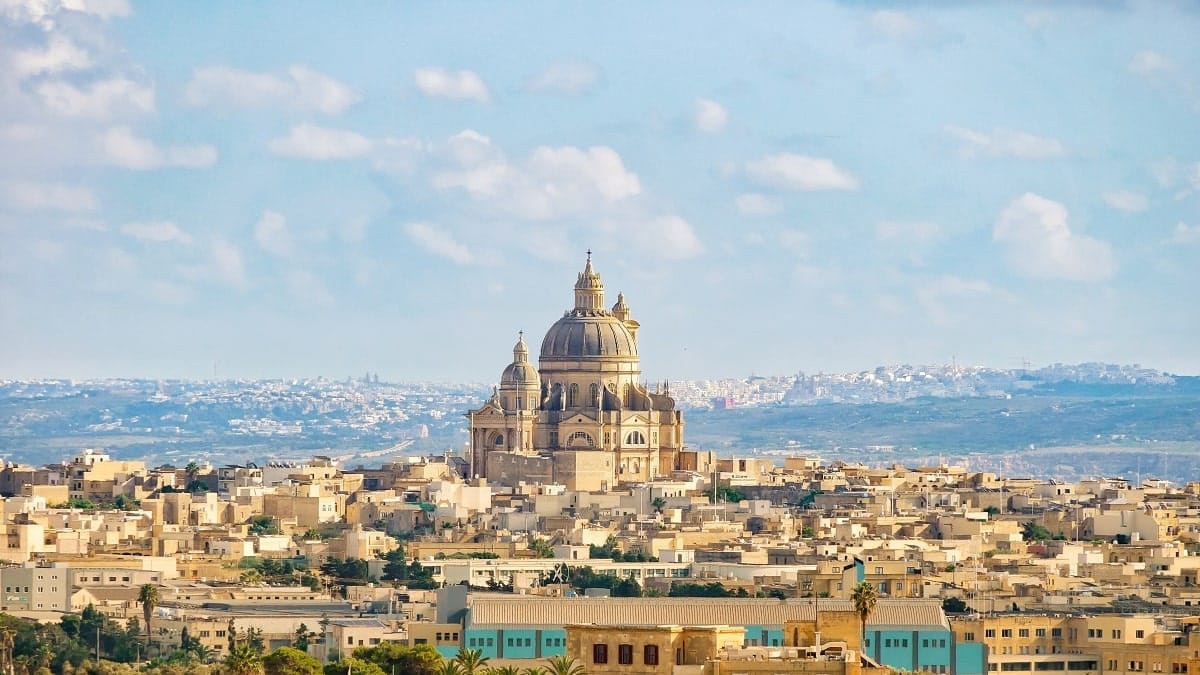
[738, 565]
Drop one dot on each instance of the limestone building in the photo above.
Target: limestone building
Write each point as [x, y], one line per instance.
[581, 417]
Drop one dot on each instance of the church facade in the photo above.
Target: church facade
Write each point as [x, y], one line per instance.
[582, 417]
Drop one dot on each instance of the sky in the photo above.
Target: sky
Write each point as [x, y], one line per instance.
[304, 189]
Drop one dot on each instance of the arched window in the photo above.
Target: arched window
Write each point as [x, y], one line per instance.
[580, 439]
[573, 395]
[635, 438]
[593, 393]
[498, 441]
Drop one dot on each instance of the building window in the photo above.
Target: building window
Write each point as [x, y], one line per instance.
[969, 637]
[599, 651]
[635, 438]
[1005, 632]
[572, 395]
[650, 655]
[593, 394]
[583, 438]
[499, 441]
[1140, 633]
[1023, 632]
[625, 654]
[1040, 632]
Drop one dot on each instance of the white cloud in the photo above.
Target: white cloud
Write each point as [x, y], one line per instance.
[163, 231]
[796, 241]
[893, 25]
[272, 234]
[1150, 62]
[1124, 200]
[570, 78]
[45, 250]
[710, 116]
[1165, 172]
[120, 147]
[753, 204]
[307, 141]
[919, 232]
[1186, 234]
[438, 242]
[933, 296]
[1005, 143]
[668, 236]
[1042, 19]
[298, 88]
[43, 12]
[101, 100]
[553, 182]
[460, 84]
[910, 239]
[800, 172]
[307, 287]
[59, 55]
[227, 264]
[35, 196]
[1040, 244]
[105, 9]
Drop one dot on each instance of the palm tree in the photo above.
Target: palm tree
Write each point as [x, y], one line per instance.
[243, 660]
[148, 596]
[503, 670]
[204, 653]
[564, 665]
[449, 668]
[534, 670]
[470, 661]
[864, 599]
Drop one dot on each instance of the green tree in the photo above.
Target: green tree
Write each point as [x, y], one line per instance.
[352, 666]
[1034, 531]
[291, 661]
[471, 661]
[659, 504]
[954, 605]
[148, 596]
[864, 600]
[542, 548]
[303, 635]
[564, 665]
[245, 660]
[389, 656]
[503, 670]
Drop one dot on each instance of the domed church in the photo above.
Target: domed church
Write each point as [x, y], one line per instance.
[582, 417]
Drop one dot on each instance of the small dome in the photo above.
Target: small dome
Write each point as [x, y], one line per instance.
[520, 374]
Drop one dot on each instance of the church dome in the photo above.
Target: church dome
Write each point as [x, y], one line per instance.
[589, 330]
[588, 335]
[520, 373]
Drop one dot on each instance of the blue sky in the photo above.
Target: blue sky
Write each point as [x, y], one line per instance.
[315, 189]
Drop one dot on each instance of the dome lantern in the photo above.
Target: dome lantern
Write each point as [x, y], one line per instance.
[589, 290]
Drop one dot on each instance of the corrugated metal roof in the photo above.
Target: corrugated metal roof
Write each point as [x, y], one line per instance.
[502, 611]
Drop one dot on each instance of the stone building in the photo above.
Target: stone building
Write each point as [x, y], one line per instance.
[582, 417]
